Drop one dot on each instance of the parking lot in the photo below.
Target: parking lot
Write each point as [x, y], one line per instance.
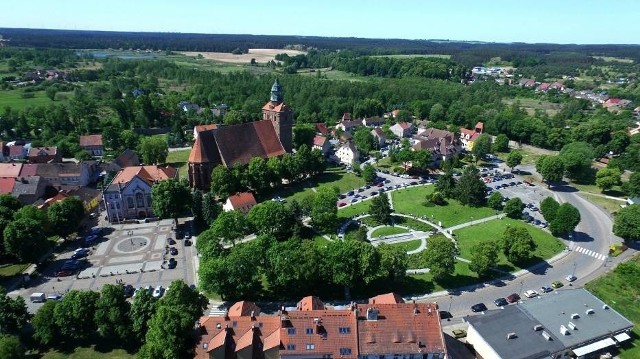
[136, 254]
[387, 182]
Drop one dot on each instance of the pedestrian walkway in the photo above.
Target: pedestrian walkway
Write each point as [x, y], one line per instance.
[477, 221]
[591, 253]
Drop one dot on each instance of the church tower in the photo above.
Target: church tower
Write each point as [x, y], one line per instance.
[280, 115]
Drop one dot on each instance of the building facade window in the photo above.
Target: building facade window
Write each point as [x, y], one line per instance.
[130, 202]
[311, 346]
[140, 199]
[309, 330]
[291, 331]
[345, 351]
[344, 330]
[291, 347]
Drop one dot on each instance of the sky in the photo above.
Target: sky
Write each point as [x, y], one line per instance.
[532, 21]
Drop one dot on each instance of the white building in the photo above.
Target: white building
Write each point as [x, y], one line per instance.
[402, 129]
[348, 153]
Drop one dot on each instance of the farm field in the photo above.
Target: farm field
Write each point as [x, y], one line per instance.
[14, 99]
[531, 105]
[260, 55]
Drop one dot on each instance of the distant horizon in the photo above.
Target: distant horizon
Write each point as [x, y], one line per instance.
[499, 21]
[316, 36]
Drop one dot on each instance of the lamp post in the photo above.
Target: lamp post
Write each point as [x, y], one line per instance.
[575, 264]
[450, 302]
[521, 286]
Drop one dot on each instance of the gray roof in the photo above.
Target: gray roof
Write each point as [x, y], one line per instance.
[555, 310]
[494, 326]
[551, 311]
[27, 185]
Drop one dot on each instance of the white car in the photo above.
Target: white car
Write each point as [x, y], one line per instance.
[158, 292]
[531, 293]
[570, 278]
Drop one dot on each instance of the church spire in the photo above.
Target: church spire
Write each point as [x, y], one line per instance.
[276, 92]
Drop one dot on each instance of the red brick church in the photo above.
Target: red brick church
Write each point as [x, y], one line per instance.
[228, 145]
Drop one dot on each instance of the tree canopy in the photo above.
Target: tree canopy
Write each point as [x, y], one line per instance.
[154, 150]
[625, 224]
[440, 256]
[566, 219]
[171, 198]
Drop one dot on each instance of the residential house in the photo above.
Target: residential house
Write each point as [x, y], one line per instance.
[321, 129]
[379, 136]
[62, 174]
[220, 110]
[346, 124]
[636, 111]
[29, 189]
[373, 121]
[559, 86]
[199, 128]
[321, 143]
[238, 144]
[568, 323]
[242, 202]
[10, 170]
[345, 137]
[92, 144]
[6, 185]
[402, 129]
[634, 130]
[442, 144]
[44, 155]
[543, 87]
[468, 137]
[128, 196]
[187, 106]
[17, 152]
[616, 104]
[311, 329]
[348, 153]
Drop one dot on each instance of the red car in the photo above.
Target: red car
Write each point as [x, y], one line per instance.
[341, 204]
[64, 273]
[513, 298]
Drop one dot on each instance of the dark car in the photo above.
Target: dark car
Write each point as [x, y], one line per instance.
[172, 242]
[500, 302]
[413, 183]
[172, 263]
[445, 315]
[78, 255]
[128, 291]
[480, 307]
[187, 235]
[350, 193]
[387, 181]
[512, 298]
[545, 289]
[173, 251]
[187, 243]
[374, 193]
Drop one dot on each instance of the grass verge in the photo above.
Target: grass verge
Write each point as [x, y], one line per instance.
[179, 160]
[408, 245]
[388, 231]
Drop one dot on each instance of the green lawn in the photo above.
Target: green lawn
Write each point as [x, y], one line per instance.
[547, 245]
[413, 224]
[388, 231]
[423, 283]
[409, 245]
[412, 201]
[14, 99]
[9, 270]
[354, 209]
[608, 204]
[179, 159]
[331, 178]
[89, 353]
[622, 293]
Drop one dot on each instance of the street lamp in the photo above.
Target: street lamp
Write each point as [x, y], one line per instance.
[521, 286]
[450, 302]
[575, 264]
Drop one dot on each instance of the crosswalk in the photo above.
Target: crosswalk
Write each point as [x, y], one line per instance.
[591, 253]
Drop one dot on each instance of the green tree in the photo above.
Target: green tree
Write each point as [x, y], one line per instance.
[11, 348]
[74, 315]
[364, 140]
[625, 224]
[45, 330]
[272, 218]
[501, 144]
[394, 262]
[324, 212]
[112, 313]
[380, 209]
[13, 314]
[566, 219]
[481, 147]
[223, 183]
[632, 187]
[421, 160]
[549, 208]
[606, 178]
[513, 208]
[352, 262]
[35, 213]
[10, 202]
[258, 174]
[234, 276]
[154, 150]
[25, 240]
[440, 256]
[303, 134]
[208, 245]
[577, 158]
[171, 198]
[551, 168]
[369, 173]
[495, 200]
[190, 301]
[210, 208]
[143, 306]
[517, 244]
[514, 159]
[196, 208]
[64, 216]
[231, 226]
[437, 113]
[470, 189]
[165, 337]
[51, 93]
[484, 256]
[446, 185]
[292, 267]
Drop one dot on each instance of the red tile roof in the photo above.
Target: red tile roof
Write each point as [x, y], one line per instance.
[90, 140]
[480, 126]
[388, 298]
[29, 169]
[319, 141]
[148, 174]
[43, 151]
[6, 185]
[378, 132]
[310, 303]
[329, 331]
[322, 128]
[276, 107]
[346, 116]
[10, 169]
[404, 125]
[200, 128]
[400, 329]
[242, 200]
[16, 151]
[244, 309]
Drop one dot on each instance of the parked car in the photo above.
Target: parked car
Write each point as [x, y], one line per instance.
[172, 242]
[341, 204]
[158, 292]
[479, 307]
[557, 284]
[459, 333]
[530, 293]
[172, 263]
[570, 278]
[500, 302]
[173, 251]
[187, 243]
[128, 291]
[445, 314]
[513, 297]
[187, 235]
[545, 289]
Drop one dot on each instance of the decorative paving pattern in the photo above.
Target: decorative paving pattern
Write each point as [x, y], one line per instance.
[131, 245]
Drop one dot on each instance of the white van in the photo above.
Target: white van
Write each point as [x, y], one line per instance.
[38, 298]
